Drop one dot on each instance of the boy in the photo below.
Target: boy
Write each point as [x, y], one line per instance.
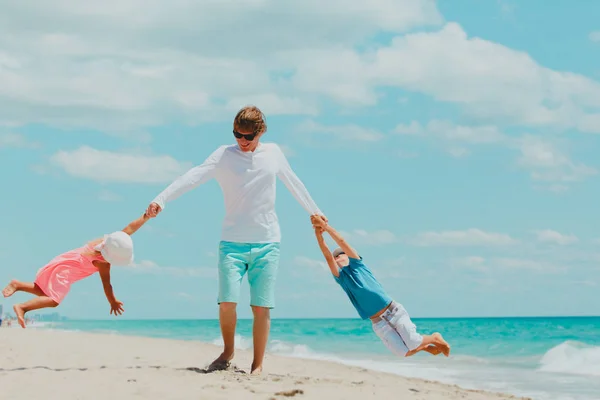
[390, 320]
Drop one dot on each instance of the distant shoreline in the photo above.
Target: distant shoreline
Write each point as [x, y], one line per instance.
[327, 318]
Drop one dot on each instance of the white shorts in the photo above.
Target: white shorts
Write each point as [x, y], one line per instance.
[395, 328]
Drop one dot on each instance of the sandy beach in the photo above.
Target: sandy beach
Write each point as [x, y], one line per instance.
[63, 365]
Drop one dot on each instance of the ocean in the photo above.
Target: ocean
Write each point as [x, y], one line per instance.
[543, 358]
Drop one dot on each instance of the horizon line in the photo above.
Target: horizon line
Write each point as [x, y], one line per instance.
[326, 318]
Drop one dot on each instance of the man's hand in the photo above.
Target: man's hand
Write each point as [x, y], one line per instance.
[153, 210]
[117, 308]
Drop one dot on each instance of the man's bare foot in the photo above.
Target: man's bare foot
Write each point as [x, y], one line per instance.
[10, 289]
[20, 315]
[439, 341]
[256, 370]
[221, 363]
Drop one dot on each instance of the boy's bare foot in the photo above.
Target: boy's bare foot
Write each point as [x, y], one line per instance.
[256, 370]
[433, 349]
[20, 315]
[10, 289]
[221, 363]
[439, 340]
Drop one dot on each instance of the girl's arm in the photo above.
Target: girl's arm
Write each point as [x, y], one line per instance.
[135, 225]
[115, 305]
[326, 252]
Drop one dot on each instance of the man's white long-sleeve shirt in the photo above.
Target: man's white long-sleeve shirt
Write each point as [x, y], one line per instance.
[248, 182]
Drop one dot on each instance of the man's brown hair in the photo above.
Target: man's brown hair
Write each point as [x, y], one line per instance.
[250, 119]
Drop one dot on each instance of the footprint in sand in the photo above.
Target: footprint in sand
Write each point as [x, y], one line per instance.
[290, 393]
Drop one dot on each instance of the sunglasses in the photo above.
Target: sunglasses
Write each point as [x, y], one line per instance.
[249, 137]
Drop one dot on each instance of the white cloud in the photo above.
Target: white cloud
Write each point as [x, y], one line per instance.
[506, 8]
[472, 262]
[273, 104]
[588, 283]
[555, 188]
[106, 166]
[302, 261]
[487, 80]
[374, 238]
[107, 195]
[395, 263]
[458, 152]
[114, 67]
[347, 132]
[496, 264]
[526, 264]
[549, 163]
[16, 140]
[159, 231]
[406, 154]
[595, 36]
[550, 236]
[150, 267]
[546, 160]
[469, 237]
[451, 136]
[448, 131]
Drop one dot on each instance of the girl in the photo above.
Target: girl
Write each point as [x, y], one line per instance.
[389, 319]
[53, 281]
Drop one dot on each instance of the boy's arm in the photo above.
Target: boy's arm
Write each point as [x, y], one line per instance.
[349, 250]
[327, 253]
[135, 225]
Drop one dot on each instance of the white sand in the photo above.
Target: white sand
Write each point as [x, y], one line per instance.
[44, 364]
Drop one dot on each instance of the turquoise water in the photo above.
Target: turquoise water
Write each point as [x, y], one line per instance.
[544, 358]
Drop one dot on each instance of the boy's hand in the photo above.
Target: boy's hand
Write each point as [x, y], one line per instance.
[116, 307]
[318, 221]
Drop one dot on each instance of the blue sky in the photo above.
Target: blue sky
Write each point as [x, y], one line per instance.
[455, 144]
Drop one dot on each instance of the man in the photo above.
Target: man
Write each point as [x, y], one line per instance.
[246, 173]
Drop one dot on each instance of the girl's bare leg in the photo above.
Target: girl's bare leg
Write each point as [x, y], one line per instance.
[18, 286]
[33, 304]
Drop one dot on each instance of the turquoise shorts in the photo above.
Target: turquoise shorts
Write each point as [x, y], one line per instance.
[260, 260]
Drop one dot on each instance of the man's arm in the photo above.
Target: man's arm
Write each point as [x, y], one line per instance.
[135, 225]
[326, 252]
[186, 182]
[349, 250]
[295, 185]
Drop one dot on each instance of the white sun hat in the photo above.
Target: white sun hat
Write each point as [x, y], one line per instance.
[116, 248]
[337, 252]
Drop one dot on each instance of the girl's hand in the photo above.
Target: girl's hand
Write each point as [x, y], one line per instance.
[116, 307]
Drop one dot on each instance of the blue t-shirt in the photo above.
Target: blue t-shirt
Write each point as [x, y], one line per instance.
[364, 291]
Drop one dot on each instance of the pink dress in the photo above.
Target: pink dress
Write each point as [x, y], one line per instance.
[55, 279]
